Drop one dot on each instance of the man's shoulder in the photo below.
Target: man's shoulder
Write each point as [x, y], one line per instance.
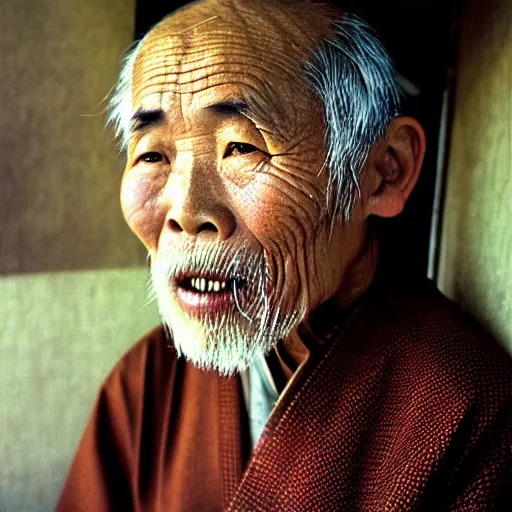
[420, 313]
[430, 336]
[151, 355]
[153, 342]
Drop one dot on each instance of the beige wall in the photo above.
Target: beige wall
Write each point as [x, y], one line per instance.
[72, 279]
[60, 335]
[476, 250]
[59, 207]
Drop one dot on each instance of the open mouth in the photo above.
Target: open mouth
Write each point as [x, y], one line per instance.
[208, 294]
[205, 285]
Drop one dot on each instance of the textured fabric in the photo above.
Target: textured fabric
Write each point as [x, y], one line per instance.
[405, 404]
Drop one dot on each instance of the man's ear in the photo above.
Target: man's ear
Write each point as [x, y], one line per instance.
[394, 167]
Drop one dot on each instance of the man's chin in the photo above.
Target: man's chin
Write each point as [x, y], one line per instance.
[224, 343]
[226, 336]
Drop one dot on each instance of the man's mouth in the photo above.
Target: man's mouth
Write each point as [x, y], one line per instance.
[204, 285]
[205, 294]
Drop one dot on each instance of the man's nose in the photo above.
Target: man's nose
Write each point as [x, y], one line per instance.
[197, 204]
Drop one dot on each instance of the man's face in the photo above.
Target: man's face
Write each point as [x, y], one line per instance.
[225, 185]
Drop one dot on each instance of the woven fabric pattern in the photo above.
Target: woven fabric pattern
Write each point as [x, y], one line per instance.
[410, 409]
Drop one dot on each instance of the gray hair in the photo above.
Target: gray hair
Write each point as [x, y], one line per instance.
[119, 101]
[353, 76]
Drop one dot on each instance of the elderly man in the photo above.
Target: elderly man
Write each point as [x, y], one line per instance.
[291, 373]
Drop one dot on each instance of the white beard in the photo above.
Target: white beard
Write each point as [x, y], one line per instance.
[228, 341]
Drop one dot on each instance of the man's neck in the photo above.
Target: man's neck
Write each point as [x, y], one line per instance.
[294, 351]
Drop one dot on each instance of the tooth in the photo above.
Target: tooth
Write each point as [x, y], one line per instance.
[216, 286]
[202, 286]
[193, 282]
[210, 286]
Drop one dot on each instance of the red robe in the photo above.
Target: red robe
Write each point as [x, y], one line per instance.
[404, 404]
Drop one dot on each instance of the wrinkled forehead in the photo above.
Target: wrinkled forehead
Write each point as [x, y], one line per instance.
[211, 44]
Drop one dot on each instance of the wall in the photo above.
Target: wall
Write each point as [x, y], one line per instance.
[60, 335]
[476, 246]
[72, 276]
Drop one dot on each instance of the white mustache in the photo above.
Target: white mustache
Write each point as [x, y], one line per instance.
[239, 266]
[212, 260]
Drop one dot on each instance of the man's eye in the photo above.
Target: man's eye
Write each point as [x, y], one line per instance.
[239, 148]
[151, 157]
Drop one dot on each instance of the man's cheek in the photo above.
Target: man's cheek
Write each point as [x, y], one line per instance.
[265, 209]
[139, 204]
